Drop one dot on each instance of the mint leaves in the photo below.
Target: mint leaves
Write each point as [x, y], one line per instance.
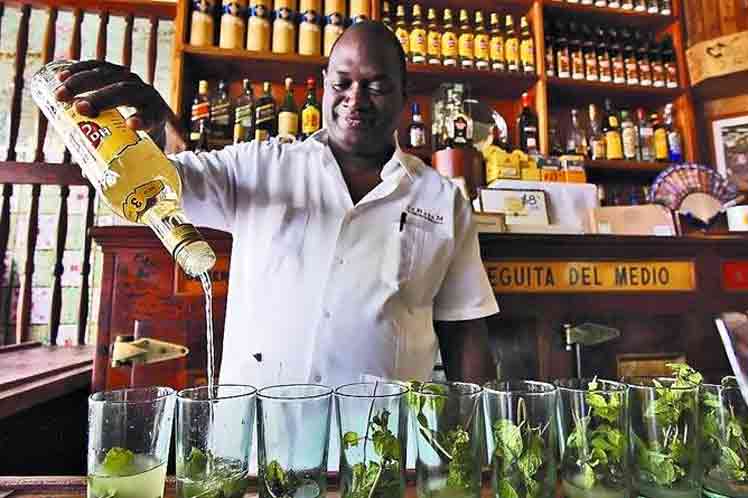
[723, 437]
[118, 462]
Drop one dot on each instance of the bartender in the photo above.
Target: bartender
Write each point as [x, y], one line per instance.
[351, 259]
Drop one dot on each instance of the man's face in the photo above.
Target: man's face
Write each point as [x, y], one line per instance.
[363, 95]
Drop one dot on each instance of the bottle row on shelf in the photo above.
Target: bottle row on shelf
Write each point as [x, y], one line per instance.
[306, 27]
[662, 7]
[621, 134]
[217, 119]
[621, 56]
[467, 41]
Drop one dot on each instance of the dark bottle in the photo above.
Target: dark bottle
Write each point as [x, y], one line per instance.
[604, 65]
[575, 52]
[645, 133]
[265, 115]
[201, 142]
[629, 58]
[642, 60]
[550, 50]
[244, 114]
[221, 116]
[658, 66]
[612, 130]
[311, 114]
[288, 116]
[668, 59]
[563, 62]
[527, 124]
[616, 57]
[590, 54]
[416, 130]
[387, 16]
[200, 112]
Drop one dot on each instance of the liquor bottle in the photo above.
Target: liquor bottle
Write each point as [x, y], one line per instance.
[433, 38]
[660, 139]
[459, 124]
[416, 130]
[527, 125]
[629, 137]
[612, 130]
[482, 42]
[554, 137]
[616, 57]
[202, 25]
[437, 125]
[597, 138]
[674, 142]
[200, 112]
[387, 16]
[511, 44]
[265, 116]
[258, 26]
[417, 42]
[576, 141]
[232, 24]
[284, 27]
[604, 64]
[401, 30]
[311, 114]
[288, 116]
[563, 62]
[449, 40]
[631, 67]
[130, 173]
[202, 142]
[601, 3]
[466, 41]
[221, 117]
[668, 59]
[645, 133]
[244, 114]
[360, 10]
[642, 56]
[665, 8]
[310, 31]
[640, 5]
[498, 62]
[658, 66]
[653, 6]
[614, 4]
[334, 24]
[550, 49]
[526, 46]
[590, 55]
[576, 53]
[627, 4]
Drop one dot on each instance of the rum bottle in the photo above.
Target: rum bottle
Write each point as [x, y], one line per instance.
[668, 59]
[604, 63]
[576, 53]
[401, 30]
[526, 47]
[642, 56]
[202, 23]
[511, 44]
[563, 62]
[221, 117]
[527, 125]
[311, 114]
[449, 40]
[433, 38]
[612, 131]
[576, 142]
[629, 137]
[334, 24]
[597, 138]
[200, 112]
[498, 62]
[616, 58]
[482, 42]
[418, 46]
[233, 26]
[674, 142]
[589, 50]
[310, 32]
[550, 50]
[387, 16]
[466, 41]
[258, 26]
[631, 66]
[284, 27]
[645, 133]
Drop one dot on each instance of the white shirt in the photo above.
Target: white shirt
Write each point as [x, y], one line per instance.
[324, 291]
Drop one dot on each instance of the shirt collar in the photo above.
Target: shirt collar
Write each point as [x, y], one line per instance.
[399, 158]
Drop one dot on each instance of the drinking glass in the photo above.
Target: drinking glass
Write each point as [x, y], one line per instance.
[129, 432]
[724, 440]
[522, 437]
[214, 439]
[372, 417]
[664, 437]
[447, 419]
[593, 438]
[293, 429]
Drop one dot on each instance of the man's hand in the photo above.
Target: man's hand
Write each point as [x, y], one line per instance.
[465, 351]
[96, 86]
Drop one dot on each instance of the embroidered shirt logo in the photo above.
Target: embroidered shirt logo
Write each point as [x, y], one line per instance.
[426, 215]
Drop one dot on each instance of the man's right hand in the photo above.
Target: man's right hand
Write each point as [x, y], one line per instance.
[96, 86]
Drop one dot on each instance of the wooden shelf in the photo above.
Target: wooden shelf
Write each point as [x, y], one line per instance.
[425, 78]
[488, 6]
[606, 15]
[567, 90]
[729, 85]
[621, 166]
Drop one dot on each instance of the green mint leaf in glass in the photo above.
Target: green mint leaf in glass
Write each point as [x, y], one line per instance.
[350, 440]
[508, 438]
[118, 462]
[506, 490]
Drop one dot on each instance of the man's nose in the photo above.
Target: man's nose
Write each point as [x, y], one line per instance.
[357, 96]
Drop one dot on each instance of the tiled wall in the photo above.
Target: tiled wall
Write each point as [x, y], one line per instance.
[44, 256]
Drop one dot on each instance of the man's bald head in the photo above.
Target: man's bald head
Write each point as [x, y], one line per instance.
[377, 34]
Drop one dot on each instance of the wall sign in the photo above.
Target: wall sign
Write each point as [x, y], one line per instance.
[591, 276]
[718, 57]
[735, 275]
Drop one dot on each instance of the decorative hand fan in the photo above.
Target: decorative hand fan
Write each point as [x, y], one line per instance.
[693, 190]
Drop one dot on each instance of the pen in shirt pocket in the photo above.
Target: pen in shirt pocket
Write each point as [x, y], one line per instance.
[403, 215]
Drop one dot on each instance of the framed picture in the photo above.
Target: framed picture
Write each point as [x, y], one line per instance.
[731, 149]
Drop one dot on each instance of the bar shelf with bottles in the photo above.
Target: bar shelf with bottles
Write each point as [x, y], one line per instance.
[651, 14]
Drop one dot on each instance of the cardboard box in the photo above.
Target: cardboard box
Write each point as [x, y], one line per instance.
[646, 219]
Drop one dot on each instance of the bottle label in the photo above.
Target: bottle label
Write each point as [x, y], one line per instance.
[466, 46]
[613, 121]
[673, 140]
[632, 71]
[672, 74]
[284, 33]
[527, 52]
[658, 74]
[629, 142]
[402, 35]
[461, 130]
[418, 44]
[258, 34]
[310, 36]
[482, 47]
[434, 40]
[511, 50]
[232, 31]
[645, 75]
[614, 148]
[244, 114]
[590, 62]
[288, 124]
[563, 63]
[449, 44]
[604, 65]
[598, 149]
[200, 111]
[264, 113]
[417, 137]
[221, 114]
[660, 143]
[201, 28]
[497, 49]
[577, 65]
[310, 120]
[141, 199]
[619, 72]
[261, 135]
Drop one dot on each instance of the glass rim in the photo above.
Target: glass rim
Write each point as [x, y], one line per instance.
[328, 392]
[553, 389]
[619, 386]
[404, 390]
[630, 381]
[449, 383]
[168, 391]
[182, 393]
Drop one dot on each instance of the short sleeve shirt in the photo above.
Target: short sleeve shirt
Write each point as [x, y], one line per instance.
[325, 291]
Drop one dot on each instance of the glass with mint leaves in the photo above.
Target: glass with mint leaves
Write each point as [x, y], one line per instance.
[447, 419]
[129, 432]
[214, 439]
[593, 438]
[373, 418]
[664, 433]
[724, 439]
[522, 438]
[293, 429]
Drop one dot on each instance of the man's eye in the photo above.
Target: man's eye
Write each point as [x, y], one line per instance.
[378, 88]
[339, 86]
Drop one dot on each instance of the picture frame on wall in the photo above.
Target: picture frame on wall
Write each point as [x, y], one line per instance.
[730, 138]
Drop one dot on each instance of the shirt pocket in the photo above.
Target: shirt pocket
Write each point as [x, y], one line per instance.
[400, 252]
[288, 227]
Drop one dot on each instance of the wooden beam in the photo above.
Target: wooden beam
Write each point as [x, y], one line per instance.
[162, 9]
